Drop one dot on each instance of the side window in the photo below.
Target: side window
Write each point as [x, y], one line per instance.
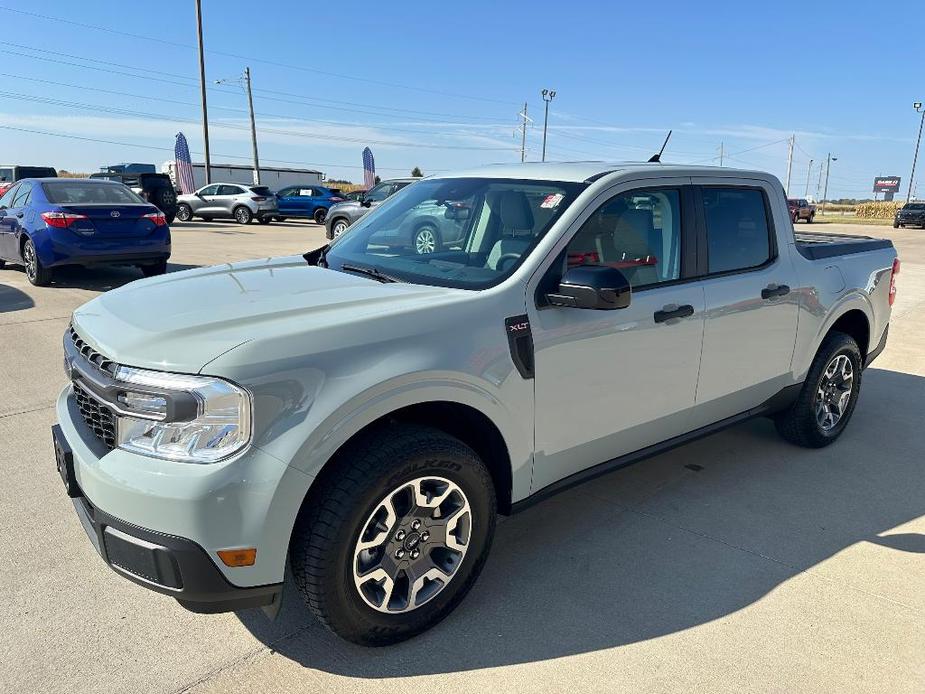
[6, 174]
[285, 193]
[638, 232]
[209, 190]
[738, 232]
[379, 193]
[6, 200]
[230, 190]
[22, 197]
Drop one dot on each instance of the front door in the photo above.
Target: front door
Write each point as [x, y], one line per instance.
[205, 203]
[8, 224]
[612, 382]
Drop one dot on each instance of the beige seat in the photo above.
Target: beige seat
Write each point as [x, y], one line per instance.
[629, 242]
[516, 231]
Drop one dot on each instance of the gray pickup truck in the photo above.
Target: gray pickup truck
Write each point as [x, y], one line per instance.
[362, 413]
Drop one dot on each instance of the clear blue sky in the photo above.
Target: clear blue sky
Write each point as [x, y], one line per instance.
[439, 85]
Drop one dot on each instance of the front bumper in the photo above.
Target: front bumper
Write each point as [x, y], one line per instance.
[171, 519]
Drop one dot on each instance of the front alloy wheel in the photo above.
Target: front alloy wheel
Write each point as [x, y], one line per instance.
[412, 544]
[340, 226]
[834, 392]
[425, 240]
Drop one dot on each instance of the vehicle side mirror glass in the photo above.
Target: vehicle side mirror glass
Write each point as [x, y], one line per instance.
[592, 286]
[366, 203]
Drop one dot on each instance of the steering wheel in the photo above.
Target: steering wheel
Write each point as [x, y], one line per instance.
[506, 260]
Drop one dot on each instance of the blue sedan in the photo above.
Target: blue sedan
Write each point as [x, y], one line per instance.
[309, 201]
[49, 222]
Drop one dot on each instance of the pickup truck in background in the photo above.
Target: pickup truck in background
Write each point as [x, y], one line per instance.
[801, 209]
[364, 411]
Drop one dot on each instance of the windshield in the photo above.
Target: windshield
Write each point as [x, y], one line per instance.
[915, 206]
[83, 193]
[468, 233]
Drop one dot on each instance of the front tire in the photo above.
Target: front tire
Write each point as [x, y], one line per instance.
[243, 215]
[339, 227]
[828, 397]
[396, 534]
[264, 220]
[184, 212]
[426, 240]
[36, 273]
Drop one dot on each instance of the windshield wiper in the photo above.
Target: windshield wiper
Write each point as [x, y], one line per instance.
[369, 272]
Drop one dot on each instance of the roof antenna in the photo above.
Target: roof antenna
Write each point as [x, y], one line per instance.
[657, 158]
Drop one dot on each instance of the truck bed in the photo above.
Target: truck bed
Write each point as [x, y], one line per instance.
[817, 245]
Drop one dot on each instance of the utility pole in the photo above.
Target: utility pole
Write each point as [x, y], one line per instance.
[250, 105]
[523, 133]
[789, 161]
[819, 183]
[828, 165]
[202, 89]
[721, 153]
[809, 172]
[548, 95]
[918, 108]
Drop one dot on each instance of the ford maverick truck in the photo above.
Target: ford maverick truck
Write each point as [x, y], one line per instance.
[364, 412]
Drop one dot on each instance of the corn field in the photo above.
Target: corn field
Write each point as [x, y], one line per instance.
[877, 210]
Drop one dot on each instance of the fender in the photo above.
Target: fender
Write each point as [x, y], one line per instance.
[853, 300]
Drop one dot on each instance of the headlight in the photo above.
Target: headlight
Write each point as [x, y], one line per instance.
[191, 419]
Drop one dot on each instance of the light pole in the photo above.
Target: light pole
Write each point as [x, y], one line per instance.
[918, 109]
[202, 88]
[828, 165]
[548, 95]
[246, 78]
[809, 173]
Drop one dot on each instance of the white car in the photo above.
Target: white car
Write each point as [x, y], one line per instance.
[228, 201]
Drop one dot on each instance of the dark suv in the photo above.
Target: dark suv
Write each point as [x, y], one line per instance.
[10, 173]
[156, 188]
[912, 213]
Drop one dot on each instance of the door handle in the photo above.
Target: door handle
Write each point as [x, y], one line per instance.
[667, 313]
[773, 290]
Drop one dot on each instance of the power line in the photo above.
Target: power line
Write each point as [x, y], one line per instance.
[69, 136]
[302, 68]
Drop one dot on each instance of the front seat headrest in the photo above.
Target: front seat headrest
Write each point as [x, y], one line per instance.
[515, 211]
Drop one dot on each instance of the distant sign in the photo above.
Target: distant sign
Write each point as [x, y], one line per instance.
[886, 184]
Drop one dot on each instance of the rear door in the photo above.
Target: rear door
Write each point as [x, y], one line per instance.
[750, 294]
[226, 199]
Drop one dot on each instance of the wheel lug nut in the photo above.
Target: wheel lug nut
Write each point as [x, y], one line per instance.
[399, 554]
[400, 535]
[415, 524]
[415, 553]
[425, 536]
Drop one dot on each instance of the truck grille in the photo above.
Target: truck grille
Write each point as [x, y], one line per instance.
[93, 357]
[100, 419]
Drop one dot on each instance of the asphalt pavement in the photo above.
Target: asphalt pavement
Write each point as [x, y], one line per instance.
[762, 567]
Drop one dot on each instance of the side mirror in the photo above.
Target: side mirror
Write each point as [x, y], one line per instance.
[458, 213]
[592, 286]
[366, 203]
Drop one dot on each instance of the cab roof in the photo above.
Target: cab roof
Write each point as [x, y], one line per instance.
[586, 171]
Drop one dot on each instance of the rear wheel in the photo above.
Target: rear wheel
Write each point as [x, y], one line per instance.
[243, 215]
[279, 219]
[264, 220]
[828, 397]
[155, 269]
[184, 212]
[396, 535]
[2, 263]
[36, 273]
[320, 215]
[809, 220]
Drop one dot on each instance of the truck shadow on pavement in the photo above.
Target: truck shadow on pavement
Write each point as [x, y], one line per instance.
[658, 548]
[12, 299]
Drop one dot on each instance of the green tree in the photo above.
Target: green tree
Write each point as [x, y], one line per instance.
[416, 172]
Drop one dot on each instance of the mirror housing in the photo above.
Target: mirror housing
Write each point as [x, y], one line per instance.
[592, 286]
[366, 203]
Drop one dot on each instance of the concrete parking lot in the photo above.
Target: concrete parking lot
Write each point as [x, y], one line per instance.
[763, 567]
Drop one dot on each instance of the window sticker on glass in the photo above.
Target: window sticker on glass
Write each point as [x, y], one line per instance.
[551, 202]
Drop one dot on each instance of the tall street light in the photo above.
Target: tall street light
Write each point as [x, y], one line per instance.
[202, 89]
[548, 95]
[828, 165]
[918, 109]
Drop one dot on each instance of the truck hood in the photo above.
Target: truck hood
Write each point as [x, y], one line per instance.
[182, 321]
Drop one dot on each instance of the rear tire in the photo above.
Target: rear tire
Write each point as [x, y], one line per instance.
[811, 420]
[2, 263]
[372, 474]
[242, 215]
[320, 215]
[36, 273]
[279, 219]
[809, 220]
[264, 220]
[158, 268]
[184, 212]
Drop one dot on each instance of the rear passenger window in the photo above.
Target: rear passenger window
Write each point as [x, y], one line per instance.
[22, 197]
[738, 233]
[639, 233]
